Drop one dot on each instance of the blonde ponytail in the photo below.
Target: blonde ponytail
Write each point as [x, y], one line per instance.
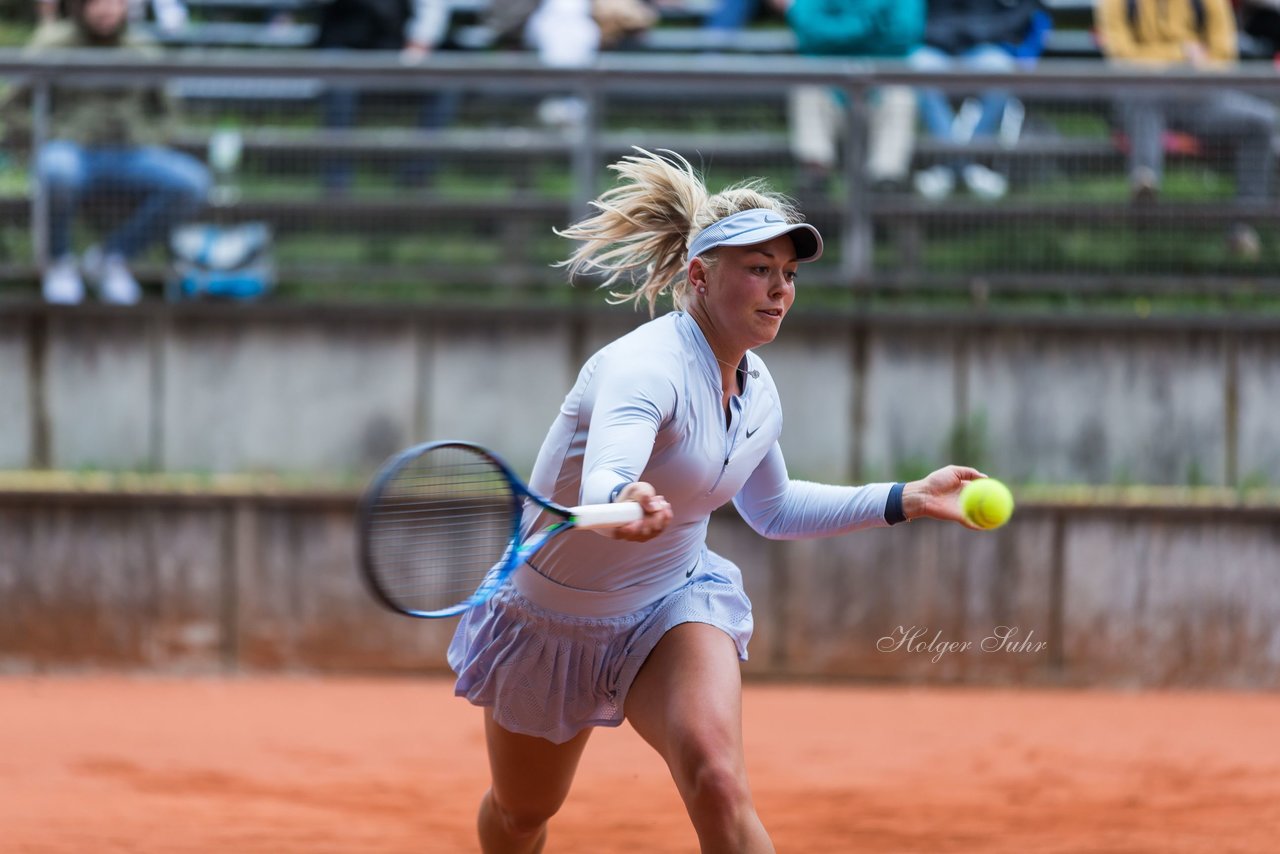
[643, 226]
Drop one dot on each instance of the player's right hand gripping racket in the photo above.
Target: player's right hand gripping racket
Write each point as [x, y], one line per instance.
[439, 527]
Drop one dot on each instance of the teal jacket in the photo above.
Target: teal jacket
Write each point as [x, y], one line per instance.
[872, 28]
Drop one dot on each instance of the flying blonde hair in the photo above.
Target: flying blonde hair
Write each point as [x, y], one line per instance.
[645, 224]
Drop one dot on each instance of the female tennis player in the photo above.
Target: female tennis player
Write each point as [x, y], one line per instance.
[681, 416]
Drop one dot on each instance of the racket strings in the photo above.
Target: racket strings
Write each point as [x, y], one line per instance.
[441, 523]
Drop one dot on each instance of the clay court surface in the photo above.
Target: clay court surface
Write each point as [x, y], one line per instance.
[91, 764]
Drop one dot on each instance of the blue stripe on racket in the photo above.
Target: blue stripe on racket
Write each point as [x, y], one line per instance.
[439, 527]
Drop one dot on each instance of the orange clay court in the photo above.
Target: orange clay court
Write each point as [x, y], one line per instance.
[106, 764]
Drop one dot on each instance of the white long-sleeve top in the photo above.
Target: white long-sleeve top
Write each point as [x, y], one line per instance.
[647, 407]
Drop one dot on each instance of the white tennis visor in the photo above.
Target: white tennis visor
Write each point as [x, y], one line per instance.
[757, 225]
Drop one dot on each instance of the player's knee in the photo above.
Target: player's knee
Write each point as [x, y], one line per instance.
[718, 788]
[522, 820]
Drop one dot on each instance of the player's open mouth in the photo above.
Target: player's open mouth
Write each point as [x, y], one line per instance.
[775, 313]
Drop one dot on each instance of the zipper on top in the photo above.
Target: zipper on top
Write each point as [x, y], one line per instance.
[730, 437]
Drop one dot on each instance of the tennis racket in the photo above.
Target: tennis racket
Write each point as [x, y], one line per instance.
[439, 527]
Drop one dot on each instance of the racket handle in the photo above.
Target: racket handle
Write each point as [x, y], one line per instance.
[590, 516]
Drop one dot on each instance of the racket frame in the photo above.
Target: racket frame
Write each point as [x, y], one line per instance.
[592, 516]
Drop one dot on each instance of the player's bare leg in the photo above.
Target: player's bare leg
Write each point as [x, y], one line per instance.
[531, 778]
[687, 703]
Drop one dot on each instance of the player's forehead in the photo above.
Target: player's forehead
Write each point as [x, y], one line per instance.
[780, 249]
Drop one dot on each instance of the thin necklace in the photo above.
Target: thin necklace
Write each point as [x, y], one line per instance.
[755, 375]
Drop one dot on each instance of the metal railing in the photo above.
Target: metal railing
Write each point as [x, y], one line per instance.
[455, 170]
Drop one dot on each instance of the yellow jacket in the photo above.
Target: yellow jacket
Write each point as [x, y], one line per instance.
[1157, 31]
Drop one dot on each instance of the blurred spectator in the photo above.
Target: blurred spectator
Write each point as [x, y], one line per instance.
[568, 33]
[729, 16]
[619, 20]
[414, 28]
[1261, 19]
[169, 14]
[565, 34]
[1196, 34]
[411, 26]
[507, 20]
[977, 35]
[817, 114]
[106, 145]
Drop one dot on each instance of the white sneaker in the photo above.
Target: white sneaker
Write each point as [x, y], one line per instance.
[985, 183]
[115, 283]
[567, 113]
[61, 282]
[935, 183]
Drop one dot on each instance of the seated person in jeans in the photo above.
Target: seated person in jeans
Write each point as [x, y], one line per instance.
[978, 35]
[818, 115]
[1196, 34]
[415, 28]
[729, 16]
[1261, 19]
[105, 145]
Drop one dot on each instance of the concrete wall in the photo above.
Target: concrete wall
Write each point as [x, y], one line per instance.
[19, 414]
[1139, 596]
[226, 388]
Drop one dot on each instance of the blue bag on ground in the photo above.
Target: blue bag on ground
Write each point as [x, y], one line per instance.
[233, 261]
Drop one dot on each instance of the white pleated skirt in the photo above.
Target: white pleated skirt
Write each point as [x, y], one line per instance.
[552, 675]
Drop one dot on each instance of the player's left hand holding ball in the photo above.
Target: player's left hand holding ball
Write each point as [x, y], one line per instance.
[937, 496]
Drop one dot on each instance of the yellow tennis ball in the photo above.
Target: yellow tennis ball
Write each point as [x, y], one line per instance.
[986, 502]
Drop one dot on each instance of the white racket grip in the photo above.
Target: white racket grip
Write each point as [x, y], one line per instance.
[590, 516]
